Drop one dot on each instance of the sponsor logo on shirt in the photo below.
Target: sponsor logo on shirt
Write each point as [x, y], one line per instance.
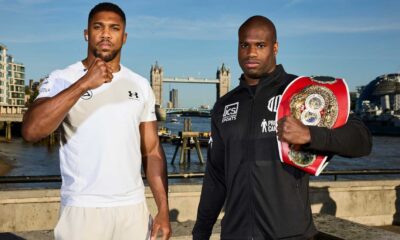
[87, 95]
[273, 103]
[133, 95]
[42, 86]
[268, 126]
[230, 112]
[44, 90]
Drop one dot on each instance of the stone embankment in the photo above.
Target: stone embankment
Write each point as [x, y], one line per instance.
[341, 209]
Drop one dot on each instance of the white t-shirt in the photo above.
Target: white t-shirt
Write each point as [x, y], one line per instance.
[100, 156]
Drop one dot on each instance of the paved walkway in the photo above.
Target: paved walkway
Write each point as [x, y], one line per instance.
[330, 228]
[181, 231]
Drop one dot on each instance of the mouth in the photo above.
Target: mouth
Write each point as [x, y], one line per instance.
[104, 45]
[251, 64]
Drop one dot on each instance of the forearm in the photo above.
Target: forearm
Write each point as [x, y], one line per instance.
[351, 140]
[45, 115]
[212, 199]
[156, 175]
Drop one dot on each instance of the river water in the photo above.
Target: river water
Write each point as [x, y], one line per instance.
[33, 159]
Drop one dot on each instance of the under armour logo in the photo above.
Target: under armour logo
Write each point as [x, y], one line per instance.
[133, 94]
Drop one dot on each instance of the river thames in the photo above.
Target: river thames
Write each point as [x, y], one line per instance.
[33, 159]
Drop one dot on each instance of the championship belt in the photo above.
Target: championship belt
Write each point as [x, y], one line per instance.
[315, 101]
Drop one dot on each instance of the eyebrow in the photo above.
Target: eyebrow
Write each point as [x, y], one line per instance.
[253, 42]
[111, 24]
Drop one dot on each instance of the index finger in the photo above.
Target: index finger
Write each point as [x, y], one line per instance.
[93, 63]
[154, 231]
[164, 236]
[109, 67]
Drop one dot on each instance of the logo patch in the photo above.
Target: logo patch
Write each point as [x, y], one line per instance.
[87, 95]
[230, 112]
[268, 126]
[273, 103]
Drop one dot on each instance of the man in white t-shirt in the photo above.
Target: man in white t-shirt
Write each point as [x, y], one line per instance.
[108, 130]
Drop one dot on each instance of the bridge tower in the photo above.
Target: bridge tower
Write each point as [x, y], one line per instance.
[156, 79]
[224, 77]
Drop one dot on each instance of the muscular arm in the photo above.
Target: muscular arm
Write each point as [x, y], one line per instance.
[46, 114]
[154, 166]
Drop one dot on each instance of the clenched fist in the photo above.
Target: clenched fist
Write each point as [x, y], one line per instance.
[97, 74]
[293, 131]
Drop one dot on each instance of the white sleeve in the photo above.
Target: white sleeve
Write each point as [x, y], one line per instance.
[149, 112]
[51, 86]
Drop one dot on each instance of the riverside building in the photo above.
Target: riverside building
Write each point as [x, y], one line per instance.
[12, 80]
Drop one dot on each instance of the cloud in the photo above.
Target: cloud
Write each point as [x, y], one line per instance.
[151, 27]
[340, 26]
[33, 8]
[291, 3]
[40, 38]
[225, 27]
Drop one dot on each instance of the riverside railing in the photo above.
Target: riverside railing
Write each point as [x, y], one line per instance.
[334, 173]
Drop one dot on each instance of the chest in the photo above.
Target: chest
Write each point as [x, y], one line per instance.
[248, 116]
[119, 102]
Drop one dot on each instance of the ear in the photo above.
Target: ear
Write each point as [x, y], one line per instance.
[125, 37]
[276, 47]
[85, 35]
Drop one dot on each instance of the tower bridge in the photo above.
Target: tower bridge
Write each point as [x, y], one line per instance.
[190, 80]
[222, 81]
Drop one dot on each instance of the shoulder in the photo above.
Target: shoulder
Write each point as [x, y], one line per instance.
[134, 76]
[227, 98]
[288, 77]
[66, 73]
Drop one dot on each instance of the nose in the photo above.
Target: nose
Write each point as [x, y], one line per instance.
[106, 33]
[252, 51]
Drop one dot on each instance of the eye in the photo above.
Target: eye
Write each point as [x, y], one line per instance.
[260, 45]
[243, 45]
[115, 28]
[96, 27]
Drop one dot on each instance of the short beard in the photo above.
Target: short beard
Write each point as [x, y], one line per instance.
[106, 58]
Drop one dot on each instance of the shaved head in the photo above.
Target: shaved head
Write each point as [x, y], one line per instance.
[257, 48]
[260, 22]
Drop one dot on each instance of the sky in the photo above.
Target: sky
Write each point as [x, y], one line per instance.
[357, 40]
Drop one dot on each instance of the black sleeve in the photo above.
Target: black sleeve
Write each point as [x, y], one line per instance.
[213, 192]
[350, 140]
